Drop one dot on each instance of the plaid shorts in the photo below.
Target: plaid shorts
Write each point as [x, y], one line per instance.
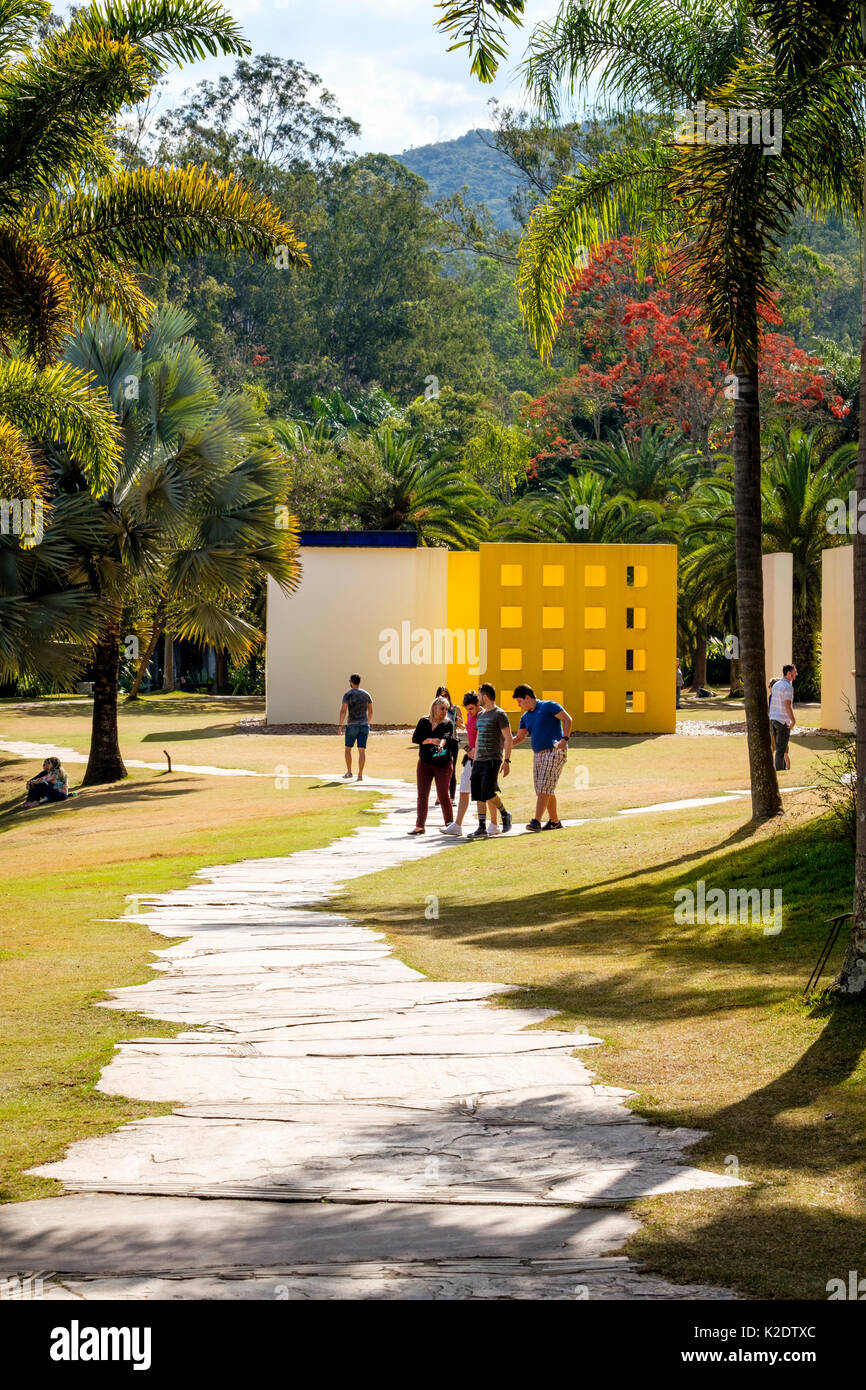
[547, 769]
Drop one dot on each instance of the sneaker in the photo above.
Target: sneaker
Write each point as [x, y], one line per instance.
[553, 825]
[494, 830]
[506, 821]
[453, 830]
[478, 834]
[533, 825]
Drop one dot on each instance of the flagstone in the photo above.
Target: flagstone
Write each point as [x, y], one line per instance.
[341, 1112]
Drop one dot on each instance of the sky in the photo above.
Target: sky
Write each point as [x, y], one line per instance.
[383, 60]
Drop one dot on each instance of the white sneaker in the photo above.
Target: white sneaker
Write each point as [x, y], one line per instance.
[494, 830]
[453, 830]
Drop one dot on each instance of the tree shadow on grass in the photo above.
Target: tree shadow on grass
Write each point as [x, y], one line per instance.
[188, 735]
[116, 794]
[171, 708]
[772, 1250]
[620, 951]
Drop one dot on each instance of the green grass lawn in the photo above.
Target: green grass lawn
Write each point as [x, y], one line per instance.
[706, 1022]
[65, 870]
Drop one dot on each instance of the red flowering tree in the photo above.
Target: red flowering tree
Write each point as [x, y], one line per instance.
[644, 360]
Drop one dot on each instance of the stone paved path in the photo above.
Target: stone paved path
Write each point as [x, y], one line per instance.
[343, 1126]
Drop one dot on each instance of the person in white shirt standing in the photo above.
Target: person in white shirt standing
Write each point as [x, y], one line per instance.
[782, 715]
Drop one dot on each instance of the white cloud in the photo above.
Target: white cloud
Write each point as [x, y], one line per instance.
[384, 60]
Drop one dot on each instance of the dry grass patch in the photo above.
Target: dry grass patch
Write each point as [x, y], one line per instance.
[68, 868]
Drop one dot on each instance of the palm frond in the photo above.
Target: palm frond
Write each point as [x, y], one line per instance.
[478, 25]
[626, 189]
[157, 215]
[35, 294]
[169, 32]
[635, 54]
[59, 402]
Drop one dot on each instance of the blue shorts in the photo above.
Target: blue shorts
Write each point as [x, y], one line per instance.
[357, 733]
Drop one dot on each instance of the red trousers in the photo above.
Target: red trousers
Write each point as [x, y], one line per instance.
[426, 774]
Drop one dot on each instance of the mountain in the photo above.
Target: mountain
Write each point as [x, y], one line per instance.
[472, 160]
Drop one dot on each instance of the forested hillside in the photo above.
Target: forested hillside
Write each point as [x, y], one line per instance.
[472, 162]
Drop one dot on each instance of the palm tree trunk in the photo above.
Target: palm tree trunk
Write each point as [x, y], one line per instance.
[851, 979]
[766, 800]
[105, 763]
[699, 675]
[168, 663]
[155, 634]
[222, 671]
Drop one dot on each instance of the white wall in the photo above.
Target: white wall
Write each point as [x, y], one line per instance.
[837, 637]
[778, 611]
[331, 627]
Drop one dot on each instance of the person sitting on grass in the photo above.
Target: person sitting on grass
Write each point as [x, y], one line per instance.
[51, 784]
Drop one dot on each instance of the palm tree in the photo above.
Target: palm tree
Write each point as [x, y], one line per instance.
[724, 207]
[578, 510]
[650, 468]
[193, 513]
[402, 488]
[49, 616]
[74, 224]
[805, 39]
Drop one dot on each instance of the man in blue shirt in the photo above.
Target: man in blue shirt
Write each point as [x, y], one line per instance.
[548, 725]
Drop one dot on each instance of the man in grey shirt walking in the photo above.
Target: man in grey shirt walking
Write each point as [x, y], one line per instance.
[356, 712]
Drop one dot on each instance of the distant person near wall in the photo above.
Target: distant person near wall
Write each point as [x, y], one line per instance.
[782, 718]
[356, 713]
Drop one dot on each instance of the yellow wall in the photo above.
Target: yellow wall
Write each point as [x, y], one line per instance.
[463, 607]
[837, 637]
[556, 618]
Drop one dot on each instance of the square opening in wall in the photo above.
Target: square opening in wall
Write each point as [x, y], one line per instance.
[552, 659]
[511, 617]
[553, 617]
[593, 702]
[510, 576]
[594, 659]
